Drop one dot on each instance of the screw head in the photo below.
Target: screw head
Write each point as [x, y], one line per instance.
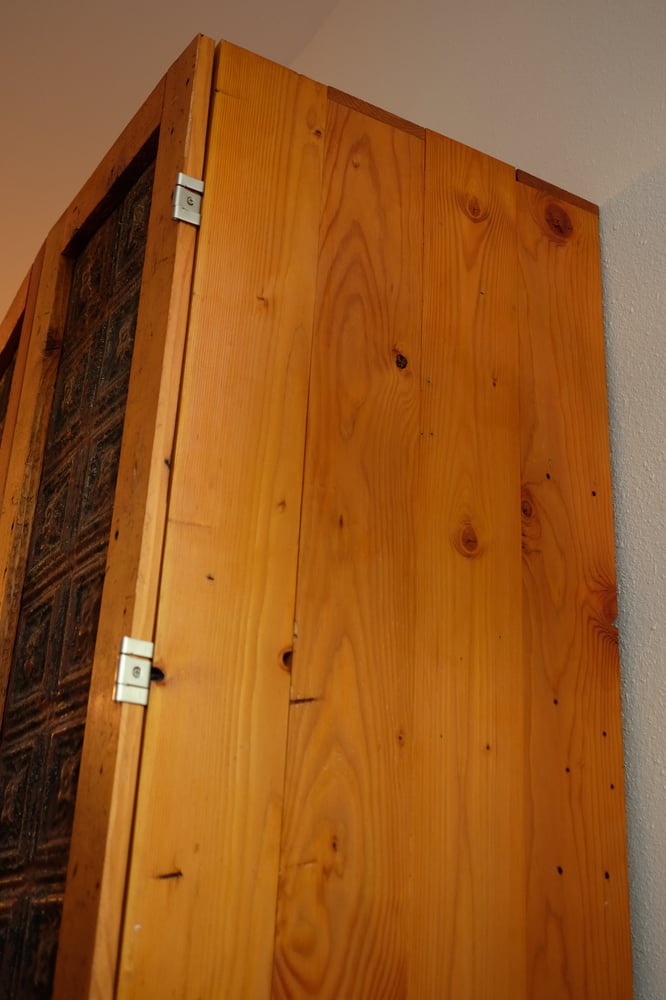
[136, 672]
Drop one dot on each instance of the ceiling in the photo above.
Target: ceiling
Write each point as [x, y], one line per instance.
[571, 90]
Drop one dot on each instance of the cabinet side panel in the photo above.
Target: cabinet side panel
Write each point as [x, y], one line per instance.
[201, 900]
[344, 874]
[468, 924]
[578, 915]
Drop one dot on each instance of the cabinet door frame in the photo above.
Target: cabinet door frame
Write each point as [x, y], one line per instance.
[170, 127]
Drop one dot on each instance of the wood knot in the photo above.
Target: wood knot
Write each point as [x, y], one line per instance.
[467, 542]
[530, 528]
[473, 208]
[558, 221]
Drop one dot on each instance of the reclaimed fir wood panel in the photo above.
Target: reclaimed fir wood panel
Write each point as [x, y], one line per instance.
[42, 332]
[203, 880]
[343, 904]
[467, 926]
[15, 311]
[90, 933]
[17, 323]
[577, 900]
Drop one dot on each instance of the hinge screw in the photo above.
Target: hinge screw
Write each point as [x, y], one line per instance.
[136, 671]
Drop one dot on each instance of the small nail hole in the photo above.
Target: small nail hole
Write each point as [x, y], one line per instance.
[287, 657]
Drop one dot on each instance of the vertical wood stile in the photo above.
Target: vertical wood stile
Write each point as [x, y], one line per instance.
[467, 922]
[42, 341]
[203, 881]
[21, 314]
[344, 872]
[94, 895]
[578, 916]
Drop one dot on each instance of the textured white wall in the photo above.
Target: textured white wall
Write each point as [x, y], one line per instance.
[634, 267]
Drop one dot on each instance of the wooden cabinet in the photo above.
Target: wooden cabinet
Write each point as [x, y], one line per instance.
[362, 506]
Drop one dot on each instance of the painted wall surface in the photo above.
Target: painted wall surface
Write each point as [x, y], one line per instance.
[634, 269]
[569, 91]
[73, 73]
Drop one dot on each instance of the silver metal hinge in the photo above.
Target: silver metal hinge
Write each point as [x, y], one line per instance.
[134, 666]
[187, 199]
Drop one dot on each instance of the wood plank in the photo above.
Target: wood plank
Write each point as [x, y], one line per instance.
[43, 330]
[372, 111]
[558, 193]
[18, 321]
[578, 912]
[89, 208]
[467, 925]
[201, 898]
[343, 900]
[14, 313]
[92, 915]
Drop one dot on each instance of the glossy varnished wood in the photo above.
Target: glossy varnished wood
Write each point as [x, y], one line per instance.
[343, 907]
[577, 901]
[201, 904]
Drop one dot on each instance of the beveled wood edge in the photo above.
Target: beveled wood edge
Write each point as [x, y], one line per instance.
[372, 111]
[524, 178]
[19, 320]
[41, 343]
[13, 315]
[109, 173]
[92, 914]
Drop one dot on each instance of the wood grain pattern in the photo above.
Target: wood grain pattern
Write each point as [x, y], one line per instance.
[344, 869]
[18, 319]
[578, 916]
[92, 915]
[467, 926]
[372, 111]
[558, 193]
[14, 313]
[88, 208]
[201, 900]
[44, 342]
